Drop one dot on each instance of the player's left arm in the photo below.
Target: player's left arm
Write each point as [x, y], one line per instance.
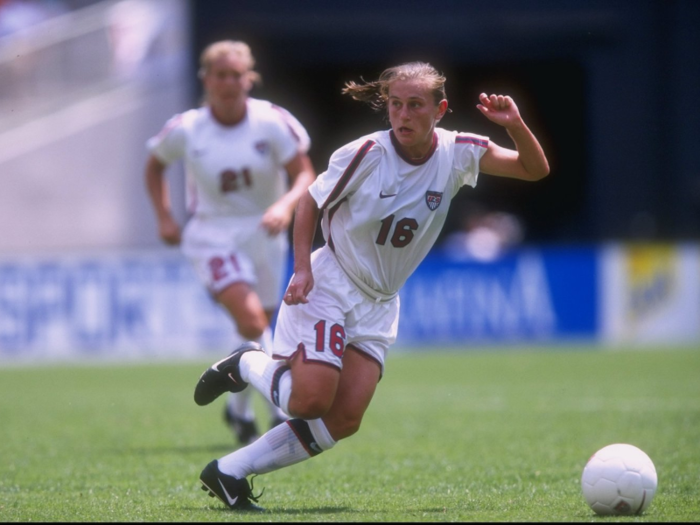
[157, 187]
[305, 224]
[527, 161]
[301, 174]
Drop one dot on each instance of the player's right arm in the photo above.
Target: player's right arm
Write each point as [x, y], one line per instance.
[305, 222]
[347, 168]
[165, 148]
[156, 184]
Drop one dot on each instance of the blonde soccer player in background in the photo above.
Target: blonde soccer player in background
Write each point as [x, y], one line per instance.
[247, 166]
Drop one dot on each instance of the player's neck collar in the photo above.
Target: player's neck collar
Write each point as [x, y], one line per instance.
[230, 120]
[402, 154]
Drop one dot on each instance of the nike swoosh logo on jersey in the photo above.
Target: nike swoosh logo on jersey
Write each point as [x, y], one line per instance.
[231, 501]
[386, 196]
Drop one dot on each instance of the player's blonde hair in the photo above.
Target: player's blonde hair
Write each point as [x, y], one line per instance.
[225, 48]
[376, 93]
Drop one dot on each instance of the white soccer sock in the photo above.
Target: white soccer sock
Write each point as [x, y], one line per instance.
[268, 376]
[240, 404]
[266, 342]
[281, 446]
[278, 447]
[320, 433]
[275, 411]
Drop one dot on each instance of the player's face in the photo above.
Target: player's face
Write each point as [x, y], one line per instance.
[413, 115]
[227, 80]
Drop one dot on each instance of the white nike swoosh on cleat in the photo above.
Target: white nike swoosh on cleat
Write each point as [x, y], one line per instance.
[231, 501]
[215, 366]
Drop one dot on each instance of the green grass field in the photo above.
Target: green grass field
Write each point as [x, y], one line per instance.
[500, 435]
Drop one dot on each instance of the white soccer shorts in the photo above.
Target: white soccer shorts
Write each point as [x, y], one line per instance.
[337, 315]
[226, 250]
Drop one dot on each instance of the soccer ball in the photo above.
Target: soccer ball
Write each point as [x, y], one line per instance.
[619, 479]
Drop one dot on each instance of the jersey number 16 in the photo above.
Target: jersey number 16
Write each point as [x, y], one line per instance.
[403, 232]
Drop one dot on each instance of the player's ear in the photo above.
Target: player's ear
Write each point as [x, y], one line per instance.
[442, 109]
[249, 80]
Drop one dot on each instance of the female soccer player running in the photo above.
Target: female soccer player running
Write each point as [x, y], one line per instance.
[384, 199]
[239, 153]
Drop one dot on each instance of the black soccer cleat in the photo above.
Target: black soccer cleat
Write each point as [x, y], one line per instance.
[245, 431]
[235, 493]
[223, 376]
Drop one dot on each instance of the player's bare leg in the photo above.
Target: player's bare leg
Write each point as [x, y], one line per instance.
[351, 392]
[315, 386]
[245, 308]
[358, 382]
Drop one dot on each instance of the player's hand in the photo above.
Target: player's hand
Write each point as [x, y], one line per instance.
[276, 219]
[500, 109]
[301, 284]
[169, 231]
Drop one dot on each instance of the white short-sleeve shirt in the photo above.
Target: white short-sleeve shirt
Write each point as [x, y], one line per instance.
[382, 213]
[232, 170]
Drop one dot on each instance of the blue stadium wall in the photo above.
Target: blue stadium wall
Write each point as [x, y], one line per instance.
[149, 305]
[543, 294]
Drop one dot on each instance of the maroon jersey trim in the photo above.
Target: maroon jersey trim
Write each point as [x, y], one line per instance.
[468, 139]
[414, 162]
[349, 172]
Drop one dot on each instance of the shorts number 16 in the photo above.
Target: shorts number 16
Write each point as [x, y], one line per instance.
[336, 338]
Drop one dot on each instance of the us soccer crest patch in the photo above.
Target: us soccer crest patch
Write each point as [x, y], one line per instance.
[262, 146]
[433, 199]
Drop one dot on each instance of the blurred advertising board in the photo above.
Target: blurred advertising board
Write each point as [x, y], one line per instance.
[109, 306]
[527, 295]
[150, 305]
[650, 293]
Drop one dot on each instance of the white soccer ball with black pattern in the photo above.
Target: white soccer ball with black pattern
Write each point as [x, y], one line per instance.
[619, 479]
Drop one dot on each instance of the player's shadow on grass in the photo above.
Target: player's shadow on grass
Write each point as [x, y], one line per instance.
[269, 511]
[181, 449]
[298, 512]
[346, 510]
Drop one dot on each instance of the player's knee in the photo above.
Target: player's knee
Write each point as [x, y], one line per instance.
[341, 429]
[252, 328]
[308, 407]
[250, 333]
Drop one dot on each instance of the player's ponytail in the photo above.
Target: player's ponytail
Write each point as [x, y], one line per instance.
[376, 93]
[369, 92]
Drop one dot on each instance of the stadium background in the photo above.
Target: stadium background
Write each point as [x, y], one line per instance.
[610, 251]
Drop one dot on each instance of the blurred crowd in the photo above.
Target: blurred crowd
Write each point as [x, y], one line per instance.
[16, 15]
[484, 234]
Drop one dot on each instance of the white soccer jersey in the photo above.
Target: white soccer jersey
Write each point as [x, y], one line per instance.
[232, 170]
[383, 212]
